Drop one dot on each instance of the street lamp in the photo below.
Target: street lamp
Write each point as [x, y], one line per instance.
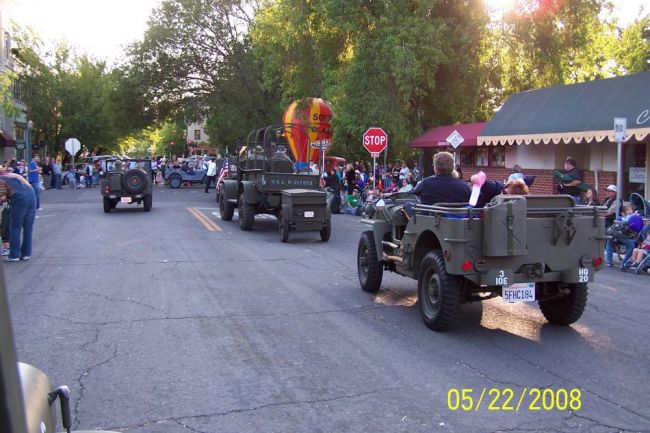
[28, 145]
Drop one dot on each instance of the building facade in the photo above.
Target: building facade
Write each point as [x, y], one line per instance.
[13, 127]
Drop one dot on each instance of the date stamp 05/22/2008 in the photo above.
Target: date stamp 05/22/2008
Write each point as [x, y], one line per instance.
[513, 400]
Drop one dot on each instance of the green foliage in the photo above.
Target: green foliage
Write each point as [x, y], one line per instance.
[633, 51]
[67, 96]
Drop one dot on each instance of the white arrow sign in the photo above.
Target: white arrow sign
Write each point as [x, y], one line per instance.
[72, 145]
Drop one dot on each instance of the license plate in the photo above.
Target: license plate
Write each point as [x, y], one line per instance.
[309, 214]
[519, 292]
[125, 199]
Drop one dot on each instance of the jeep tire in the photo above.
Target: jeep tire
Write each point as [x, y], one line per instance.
[283, 227]
[566, 309]
[439, 295]
[135, 181]
[108, 204]
[246, 214]
[368, 265]
[146, 202]
[175, 180]
[226, 209]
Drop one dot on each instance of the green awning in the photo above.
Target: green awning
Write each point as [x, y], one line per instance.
[575, 113]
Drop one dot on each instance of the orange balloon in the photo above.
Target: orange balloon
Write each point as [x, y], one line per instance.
[313, 123]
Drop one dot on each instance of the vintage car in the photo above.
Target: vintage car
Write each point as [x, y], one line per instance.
[266, 182]
[127, 182]
[522, 248]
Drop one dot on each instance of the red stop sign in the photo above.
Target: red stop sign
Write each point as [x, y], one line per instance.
[375, 140]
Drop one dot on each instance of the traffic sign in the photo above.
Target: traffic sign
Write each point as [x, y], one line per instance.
[321, 144]
[620, 128]
[72, 145]
[455, 139]
[375, 140]
[374, 154]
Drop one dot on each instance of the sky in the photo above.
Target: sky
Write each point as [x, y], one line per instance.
[102, 28]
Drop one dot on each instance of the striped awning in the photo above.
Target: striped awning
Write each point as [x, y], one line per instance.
[575, 113]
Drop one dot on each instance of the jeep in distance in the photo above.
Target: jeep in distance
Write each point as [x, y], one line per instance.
[127, 181]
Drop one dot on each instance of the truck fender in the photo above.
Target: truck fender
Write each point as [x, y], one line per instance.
[229, 189]
[249, 190]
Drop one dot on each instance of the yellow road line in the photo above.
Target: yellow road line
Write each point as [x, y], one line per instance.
[207, 223]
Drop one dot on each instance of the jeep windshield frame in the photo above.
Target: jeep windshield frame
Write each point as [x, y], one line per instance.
[141, 163]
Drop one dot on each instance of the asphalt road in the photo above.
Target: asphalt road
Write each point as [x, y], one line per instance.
[160, 322]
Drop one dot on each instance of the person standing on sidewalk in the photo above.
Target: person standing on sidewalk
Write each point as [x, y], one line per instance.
[211, 174]
[33, 176]
[20, 194]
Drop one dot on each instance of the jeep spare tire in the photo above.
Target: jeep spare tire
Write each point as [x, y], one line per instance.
[134, 181]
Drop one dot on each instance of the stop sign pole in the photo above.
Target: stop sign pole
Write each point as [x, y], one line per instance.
[375, 140]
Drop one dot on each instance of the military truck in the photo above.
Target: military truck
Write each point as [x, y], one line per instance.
[267, 182]
[127, 181]
[522, 248]
[27, 397]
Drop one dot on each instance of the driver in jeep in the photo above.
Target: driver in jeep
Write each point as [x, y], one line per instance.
[442, 187]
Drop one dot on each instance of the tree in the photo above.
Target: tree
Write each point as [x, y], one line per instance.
[400, 65]
[66, 95]
[196, 55]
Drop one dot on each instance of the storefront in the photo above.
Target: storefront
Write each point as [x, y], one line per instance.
[538, 129]
[466, 154]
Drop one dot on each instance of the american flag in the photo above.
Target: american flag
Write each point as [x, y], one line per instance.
[224, 171]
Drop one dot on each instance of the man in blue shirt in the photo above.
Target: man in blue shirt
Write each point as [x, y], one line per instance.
[443, 187]
[33, 172]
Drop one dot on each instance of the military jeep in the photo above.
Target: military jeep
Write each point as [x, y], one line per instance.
[267, 182]
[524, 249]
[127, 181]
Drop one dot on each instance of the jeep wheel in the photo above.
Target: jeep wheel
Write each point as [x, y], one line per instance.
[326, 231]
[226, 209]
[368, 265]
[175, 181]
[108, 205]
[283, 227]
[567, 309]
[438, 293]
[135, 181]
[246, 214]
[147, 201]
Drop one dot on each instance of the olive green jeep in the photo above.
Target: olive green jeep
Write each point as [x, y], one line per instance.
[126, 181]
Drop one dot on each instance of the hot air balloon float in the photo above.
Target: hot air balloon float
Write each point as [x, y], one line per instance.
[309, 122]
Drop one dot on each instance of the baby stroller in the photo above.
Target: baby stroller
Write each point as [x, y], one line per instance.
[645, 263]
[642, 205]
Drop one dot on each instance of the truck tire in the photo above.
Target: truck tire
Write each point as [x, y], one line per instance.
[326, 232]
[226, 209]
[438, 293]
[368, 265]
[107, 205]
[147, 202]
[175, 181]
[567, 309]
[246, 214]
[283, 227]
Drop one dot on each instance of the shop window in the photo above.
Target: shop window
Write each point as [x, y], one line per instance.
[482, 157]
[197, 134]
[467, 157]
[498, 157]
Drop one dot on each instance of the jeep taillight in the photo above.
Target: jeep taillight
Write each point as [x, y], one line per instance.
[107, 189]
[598, 262]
